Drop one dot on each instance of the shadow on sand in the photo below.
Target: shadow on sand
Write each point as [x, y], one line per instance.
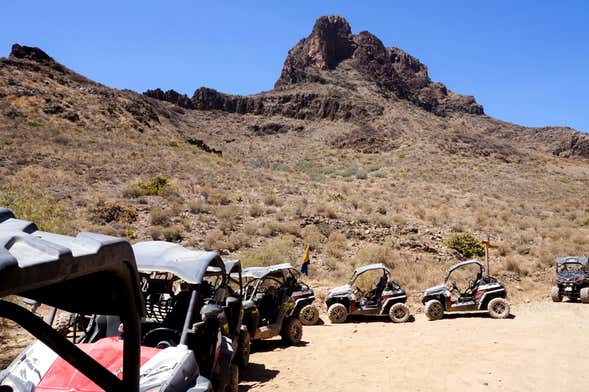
[255, 374]
[262, 346]
[450, 316]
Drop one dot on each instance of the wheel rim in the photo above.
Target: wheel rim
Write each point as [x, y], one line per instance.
[399, 313]
[436, 310]
[499, 308]
[338, 314]
[308, 315]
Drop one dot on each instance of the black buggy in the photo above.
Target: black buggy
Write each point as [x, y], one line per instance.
[571, 279]
[86, 274]
[271, 306]
[482, 293]
[186, 289]
[385, 298]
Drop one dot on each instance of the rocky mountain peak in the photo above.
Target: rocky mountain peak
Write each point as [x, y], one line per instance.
[332, 42]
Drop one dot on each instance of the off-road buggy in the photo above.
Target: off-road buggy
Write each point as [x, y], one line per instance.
[186, 289]
[385, 298]
[481, 293]
[86, 274]
[571, 279]
[274, 301]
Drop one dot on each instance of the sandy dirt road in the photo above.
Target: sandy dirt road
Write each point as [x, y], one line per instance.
[544, 347]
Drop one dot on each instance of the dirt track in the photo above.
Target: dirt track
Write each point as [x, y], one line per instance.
[544, 347]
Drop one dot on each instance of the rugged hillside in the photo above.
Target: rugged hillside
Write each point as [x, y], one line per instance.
[356, 151]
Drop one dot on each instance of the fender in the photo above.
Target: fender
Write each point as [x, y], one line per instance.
[489, 294]
[392, 300]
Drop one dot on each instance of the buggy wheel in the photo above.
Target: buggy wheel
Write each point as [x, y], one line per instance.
[63, 323]
[498, 308]
[337, 313]
[233, 384]
[555, 294]
[292, 331]
[585, 295]
[243, 356]
[399, 313]
[309, 315]
[434, 310]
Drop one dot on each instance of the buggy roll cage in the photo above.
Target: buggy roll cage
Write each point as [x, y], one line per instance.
[370, 267]
[233, 269]
[49, 268]
[254, 276]
[189, 265]
[464, 263]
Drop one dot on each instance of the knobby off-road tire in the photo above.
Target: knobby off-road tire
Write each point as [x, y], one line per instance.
[309, 315]
[337, 313]
[63, 322]
[584, 294]
[498, 308]
[243, 356]
[555, 294]
[434, 310]
[399, 313]
[233, 385]
[292, 331]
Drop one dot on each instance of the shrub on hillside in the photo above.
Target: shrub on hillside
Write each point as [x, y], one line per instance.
[466, 244]
[157, 186]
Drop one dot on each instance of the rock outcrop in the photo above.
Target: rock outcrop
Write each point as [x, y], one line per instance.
[172, 96]
[308, 106]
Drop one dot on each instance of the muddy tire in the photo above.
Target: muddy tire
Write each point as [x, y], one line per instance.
[498, 308]
[292, 331]
[243, 355]
[233, 385]
[309, 315]
[337, 313]
[63, 322]
[584, 295]
[399, 313]
[555, 294]
[434, 310]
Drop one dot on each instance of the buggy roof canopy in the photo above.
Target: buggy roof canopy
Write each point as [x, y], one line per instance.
[88, 273]
[369, 267]
[187, 264]
[260, 272]
[572, 260]
[232, 266]
[467, 262]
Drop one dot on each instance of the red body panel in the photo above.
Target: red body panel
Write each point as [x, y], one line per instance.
[61, 376]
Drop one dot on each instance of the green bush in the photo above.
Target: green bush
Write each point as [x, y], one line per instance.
[157, 186]
[466, 244]
[31, 204]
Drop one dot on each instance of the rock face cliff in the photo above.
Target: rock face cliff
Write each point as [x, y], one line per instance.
[332, 43]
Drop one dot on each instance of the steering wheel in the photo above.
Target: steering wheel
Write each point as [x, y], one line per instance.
[161, 337]
[359, 290]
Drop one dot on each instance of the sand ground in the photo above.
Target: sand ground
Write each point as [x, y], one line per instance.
[543, 347]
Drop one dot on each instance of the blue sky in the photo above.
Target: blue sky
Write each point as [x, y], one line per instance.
[526, 61]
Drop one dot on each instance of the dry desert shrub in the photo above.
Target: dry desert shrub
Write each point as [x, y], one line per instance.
[160, 217]
[273, 251]
[312, 236]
